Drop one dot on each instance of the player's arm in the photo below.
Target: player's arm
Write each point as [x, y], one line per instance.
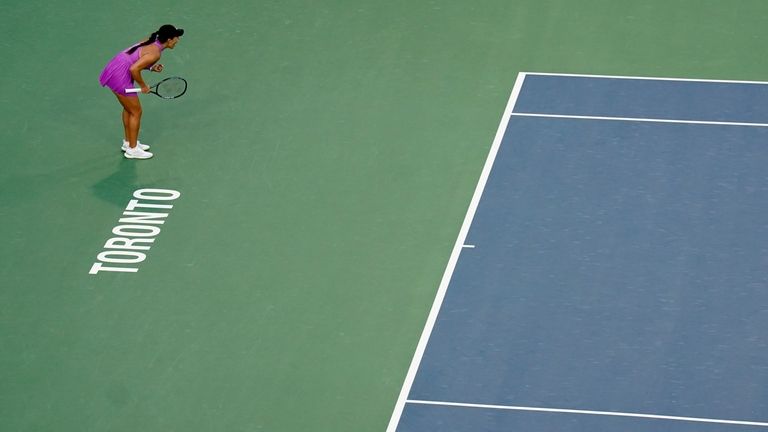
[142, 63]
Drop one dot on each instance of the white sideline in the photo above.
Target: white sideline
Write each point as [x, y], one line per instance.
[457, 247]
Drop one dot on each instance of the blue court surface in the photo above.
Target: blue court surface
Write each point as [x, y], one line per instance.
[612, 270]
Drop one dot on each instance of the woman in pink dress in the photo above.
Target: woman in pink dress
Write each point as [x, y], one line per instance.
[124, 69]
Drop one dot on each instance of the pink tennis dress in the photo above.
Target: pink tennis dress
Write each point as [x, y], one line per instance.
[117, 75]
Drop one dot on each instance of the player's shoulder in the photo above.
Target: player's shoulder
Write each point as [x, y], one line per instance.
[150, 50]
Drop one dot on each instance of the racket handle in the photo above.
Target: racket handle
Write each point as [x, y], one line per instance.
[133, 90]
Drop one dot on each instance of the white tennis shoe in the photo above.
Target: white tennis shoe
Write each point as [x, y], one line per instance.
[126, 146]
[137, 153]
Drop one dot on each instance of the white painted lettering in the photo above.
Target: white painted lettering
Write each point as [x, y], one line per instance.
[157, 194]
[97, 267]
[136, 231]
[134, 204]
[107, 256]
[143, 217]
[127, 243]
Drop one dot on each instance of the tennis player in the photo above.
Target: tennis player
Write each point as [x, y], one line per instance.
[125, 68]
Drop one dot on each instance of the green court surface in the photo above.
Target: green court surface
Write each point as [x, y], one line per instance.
[326, 153]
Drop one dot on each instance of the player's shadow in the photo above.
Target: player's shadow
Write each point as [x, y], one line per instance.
[118, 187]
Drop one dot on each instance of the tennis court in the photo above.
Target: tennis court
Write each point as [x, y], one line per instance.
[609, 274]
[313, 181]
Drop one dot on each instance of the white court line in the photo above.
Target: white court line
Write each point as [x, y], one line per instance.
[469, 246]
[646, 78]
[425, 334]
[633, 119]
[588, 412]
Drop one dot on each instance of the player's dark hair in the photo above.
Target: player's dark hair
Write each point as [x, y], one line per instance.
[163, 34]
[151, 39]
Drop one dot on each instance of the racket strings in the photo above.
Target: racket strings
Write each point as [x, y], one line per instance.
[171, 88]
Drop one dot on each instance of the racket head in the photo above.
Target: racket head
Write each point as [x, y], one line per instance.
[170, 88]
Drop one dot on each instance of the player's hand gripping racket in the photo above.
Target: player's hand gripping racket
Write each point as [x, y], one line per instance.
[169, 88]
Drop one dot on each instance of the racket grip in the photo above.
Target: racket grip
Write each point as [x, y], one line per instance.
[133, 90]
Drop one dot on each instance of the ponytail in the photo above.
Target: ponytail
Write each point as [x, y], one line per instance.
[152, 38]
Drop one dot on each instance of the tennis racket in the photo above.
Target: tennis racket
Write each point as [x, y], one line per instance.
[169, 88]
